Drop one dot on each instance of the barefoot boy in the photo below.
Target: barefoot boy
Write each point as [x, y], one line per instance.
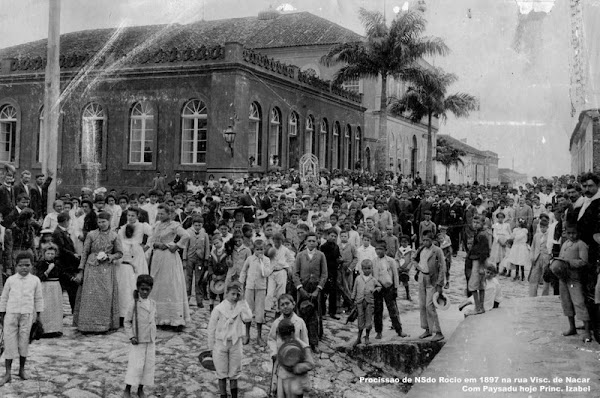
[362, 295]
[21, 299]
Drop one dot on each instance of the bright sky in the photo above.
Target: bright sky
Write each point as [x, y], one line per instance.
[517, 65]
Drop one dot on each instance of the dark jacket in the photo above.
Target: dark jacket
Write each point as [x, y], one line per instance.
[177, 186]
[67, 256]
[38, 200]
[7, 203]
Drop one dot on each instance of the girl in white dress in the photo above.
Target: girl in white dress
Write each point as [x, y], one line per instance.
[501, 233]
[520, 256]
[134, 236]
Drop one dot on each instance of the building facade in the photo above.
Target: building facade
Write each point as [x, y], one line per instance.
[585, 143]
[133, 111]
[477, 165]
[159, 98]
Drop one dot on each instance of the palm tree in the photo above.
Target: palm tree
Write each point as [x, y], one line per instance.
[387, 51]
[448, 155]
[428, 97]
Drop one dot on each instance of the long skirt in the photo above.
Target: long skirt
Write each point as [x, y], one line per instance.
[126, 282]
[52, 316]
[169, 291]
[97, 303]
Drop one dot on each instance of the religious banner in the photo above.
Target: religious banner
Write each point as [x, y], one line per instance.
[309, 168]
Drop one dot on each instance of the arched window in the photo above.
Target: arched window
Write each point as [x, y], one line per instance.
[348, 145]
[39, 155]
[358, 145]
[93, 122]
[293, 144]
[310, 142]
[293, 124]
[323, 144]
[335, 148]
[367, 165]
[142, 133]
[254, 136]
[8, 133]
[275, 138]
[194, 121]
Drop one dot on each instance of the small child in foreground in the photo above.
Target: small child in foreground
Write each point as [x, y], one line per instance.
[225, 331]
[362, 295]
[140, 327]
[21, 298]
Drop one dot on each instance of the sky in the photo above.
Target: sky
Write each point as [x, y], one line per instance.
[516, 62]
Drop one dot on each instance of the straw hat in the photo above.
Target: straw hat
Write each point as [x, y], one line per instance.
[440, 301]
[217, 286]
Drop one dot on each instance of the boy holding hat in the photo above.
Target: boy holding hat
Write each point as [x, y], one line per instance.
[225, 331]
[541, 248]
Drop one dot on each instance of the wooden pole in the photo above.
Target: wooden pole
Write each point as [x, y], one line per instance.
[52, 101]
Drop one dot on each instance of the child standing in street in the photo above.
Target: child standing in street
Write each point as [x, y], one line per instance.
[225, 331]
[519, 256]
[404, 260]
[253, 278]
[568, 267]
[362, 295]
[446, 246]
[140, 327]
[21, 298]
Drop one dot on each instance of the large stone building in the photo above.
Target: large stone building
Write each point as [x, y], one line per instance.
[407, 141]
[477, 165]
[585, 143]
[159, 98]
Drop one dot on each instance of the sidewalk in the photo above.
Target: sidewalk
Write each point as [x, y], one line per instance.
[514, 351]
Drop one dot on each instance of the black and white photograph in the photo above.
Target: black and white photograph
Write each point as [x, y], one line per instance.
[300, 198]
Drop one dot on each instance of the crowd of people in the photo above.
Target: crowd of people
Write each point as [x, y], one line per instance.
[278, 248]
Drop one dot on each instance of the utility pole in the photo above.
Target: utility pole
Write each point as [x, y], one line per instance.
[52, 101]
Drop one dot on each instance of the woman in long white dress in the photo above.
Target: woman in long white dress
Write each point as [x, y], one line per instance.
[134, 237]
[166, 268]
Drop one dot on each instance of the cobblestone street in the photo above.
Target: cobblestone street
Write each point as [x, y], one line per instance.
[88, 366]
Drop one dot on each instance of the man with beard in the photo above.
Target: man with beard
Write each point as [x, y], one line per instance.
[588, 228]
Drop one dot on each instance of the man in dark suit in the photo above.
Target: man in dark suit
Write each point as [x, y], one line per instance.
[67, 257]
[251, 203]
[6, 254]
[264, 200]
[39, 195]
[23, 185]
[177, 185]
[7, 194]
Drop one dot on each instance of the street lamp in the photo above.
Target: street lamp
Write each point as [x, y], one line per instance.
[229, 136]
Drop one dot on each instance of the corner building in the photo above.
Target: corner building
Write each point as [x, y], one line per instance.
[160, 98]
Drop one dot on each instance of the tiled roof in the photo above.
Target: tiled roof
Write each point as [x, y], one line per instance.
[286, 30]
[461, 145]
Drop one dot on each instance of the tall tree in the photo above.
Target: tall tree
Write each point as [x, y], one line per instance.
[448, 155]
[386, 51]
[427, 97]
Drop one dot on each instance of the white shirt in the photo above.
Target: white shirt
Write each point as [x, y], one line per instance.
[22, 295]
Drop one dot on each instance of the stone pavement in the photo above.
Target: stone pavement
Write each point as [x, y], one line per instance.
[515, 351]
[92, 366]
